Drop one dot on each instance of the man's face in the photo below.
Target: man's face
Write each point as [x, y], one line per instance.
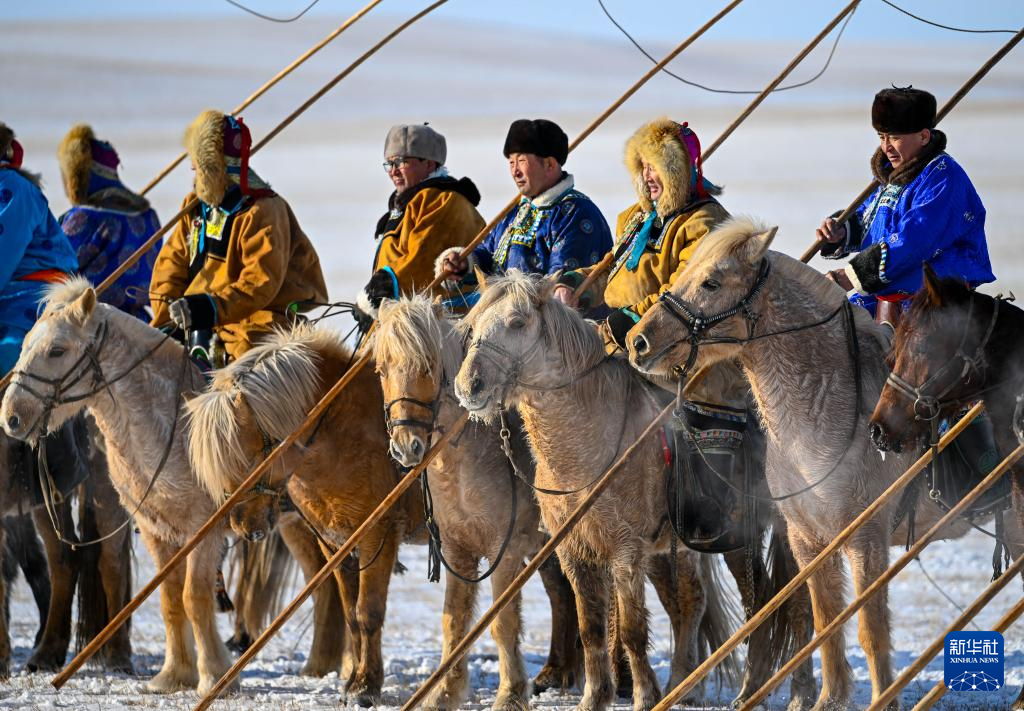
[902, 147]
[533, 174]
[652, 180]
[406, 172]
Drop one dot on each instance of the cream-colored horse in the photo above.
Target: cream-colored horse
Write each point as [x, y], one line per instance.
[796, 338]
[81, 354]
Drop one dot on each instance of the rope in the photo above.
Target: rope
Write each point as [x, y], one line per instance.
[260, 15]
[704, 87]
[946, 27]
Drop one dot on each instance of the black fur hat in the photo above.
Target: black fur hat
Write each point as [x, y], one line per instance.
[903, 110]
[538, 136]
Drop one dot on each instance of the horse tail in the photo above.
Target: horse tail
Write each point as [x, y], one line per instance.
[263, 571]
[92, 600]
[785, 639]
[267, 391]
[722, 616]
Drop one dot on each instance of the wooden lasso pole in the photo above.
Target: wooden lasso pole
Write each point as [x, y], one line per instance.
[877, 585]
[273, 80]
[719, 655]
[939, 690]
[90, 649]
[331, 394]
[335, 560]
[946, 108]
[609, 258]
[191, 204]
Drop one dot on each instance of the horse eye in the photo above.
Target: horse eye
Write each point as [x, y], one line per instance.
[517, 322]
[56, 352]
[710, 284]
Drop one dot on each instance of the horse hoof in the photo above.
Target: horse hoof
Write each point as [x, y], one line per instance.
[553, 678]
[45, 662]
[239, 642]
[206, 685]
[167, 682]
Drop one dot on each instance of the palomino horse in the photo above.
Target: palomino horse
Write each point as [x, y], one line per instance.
[334, 479]
[101, 572]
[816, 367]
[581, 411]
[131, 377]
[481, 508]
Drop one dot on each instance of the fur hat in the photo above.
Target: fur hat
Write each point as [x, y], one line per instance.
[669, 147]
[537, 136]
[11, 152]
[86, 164]
[902, 110]
[220, 145]
[416, 141]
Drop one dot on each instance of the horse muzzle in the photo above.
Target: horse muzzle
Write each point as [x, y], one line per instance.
[408, 453]
[882, 440]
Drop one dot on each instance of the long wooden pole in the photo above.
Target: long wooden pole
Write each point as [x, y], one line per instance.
[331, 394]
[538, 560]
[946, 108]
[94, 645]
[878, 584]
[939, 690]
[606, 261]
[335, 560]
[190, 205]
[273, 81]
[716, 658]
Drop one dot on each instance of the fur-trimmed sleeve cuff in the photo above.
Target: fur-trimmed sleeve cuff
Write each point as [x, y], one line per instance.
[867, 269]
[439, 263]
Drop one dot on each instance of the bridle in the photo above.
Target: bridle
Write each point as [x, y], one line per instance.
[928, 406]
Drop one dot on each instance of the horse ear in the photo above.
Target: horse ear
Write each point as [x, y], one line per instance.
[481, 278]
[83, 306]
[932, 285]
[548, 284]
[760, 242]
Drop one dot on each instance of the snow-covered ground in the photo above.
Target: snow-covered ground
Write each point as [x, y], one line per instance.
[800, 156]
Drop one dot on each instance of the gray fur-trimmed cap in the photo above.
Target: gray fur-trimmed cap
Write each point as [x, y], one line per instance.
[416, 141]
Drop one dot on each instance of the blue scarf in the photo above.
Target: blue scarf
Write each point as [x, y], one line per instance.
[643, 236]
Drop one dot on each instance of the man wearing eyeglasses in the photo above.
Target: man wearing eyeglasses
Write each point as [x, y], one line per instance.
[428, 213]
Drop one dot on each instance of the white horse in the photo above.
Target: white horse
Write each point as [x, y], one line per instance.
[131, 377]
[816, 367]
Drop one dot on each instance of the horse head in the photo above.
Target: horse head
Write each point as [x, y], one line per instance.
[937, 360]
[412, 343]
[521, 339]
[59, 369]
[705, 313]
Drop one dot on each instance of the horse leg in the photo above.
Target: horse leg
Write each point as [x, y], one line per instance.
[459, 602]
[374, 579]
[628, 579]
[559, 672]
[749, 572]
[683, 598]
[346, 583]
[591, 586]
[179, 669]
[827, 589]
[201, 609]
[868, 553]
[328, 626]
[506, 631]
[114, 565]
[5, 635]
[50, 654]
[620, 664]
[23, 548]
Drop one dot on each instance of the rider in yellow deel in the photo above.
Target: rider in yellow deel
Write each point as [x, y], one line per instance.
[239, 261]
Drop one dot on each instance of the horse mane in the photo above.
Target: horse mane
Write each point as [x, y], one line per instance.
[279, 380]
[66, 295]
[730, 239]
[411, 336]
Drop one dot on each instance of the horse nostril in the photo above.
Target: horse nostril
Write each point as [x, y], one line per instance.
[475, 385]
[13, 423]
[877, 434]
[416, 447]
[640, 344]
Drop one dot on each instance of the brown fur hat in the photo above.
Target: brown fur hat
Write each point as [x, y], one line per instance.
[204, 142]
[75, 158]
[660, 144]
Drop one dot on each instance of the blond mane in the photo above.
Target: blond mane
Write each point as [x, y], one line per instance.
[413, 337]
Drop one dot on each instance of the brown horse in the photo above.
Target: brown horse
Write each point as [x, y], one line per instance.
[334, 478]
[81, 354]
[482, 510]
[581, 411]
[101, 573]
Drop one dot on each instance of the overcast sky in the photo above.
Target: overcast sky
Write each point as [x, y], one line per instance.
[651, 20]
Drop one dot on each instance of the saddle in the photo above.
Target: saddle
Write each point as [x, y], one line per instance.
[66, 452]
[963, 464]
[710, 476]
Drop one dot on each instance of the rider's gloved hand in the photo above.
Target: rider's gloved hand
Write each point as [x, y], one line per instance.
[620, 321]
[193, 312]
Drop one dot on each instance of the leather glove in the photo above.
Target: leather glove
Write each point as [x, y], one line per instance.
[382, 285]
[619, 323]
[194, 312]
[363, 319]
